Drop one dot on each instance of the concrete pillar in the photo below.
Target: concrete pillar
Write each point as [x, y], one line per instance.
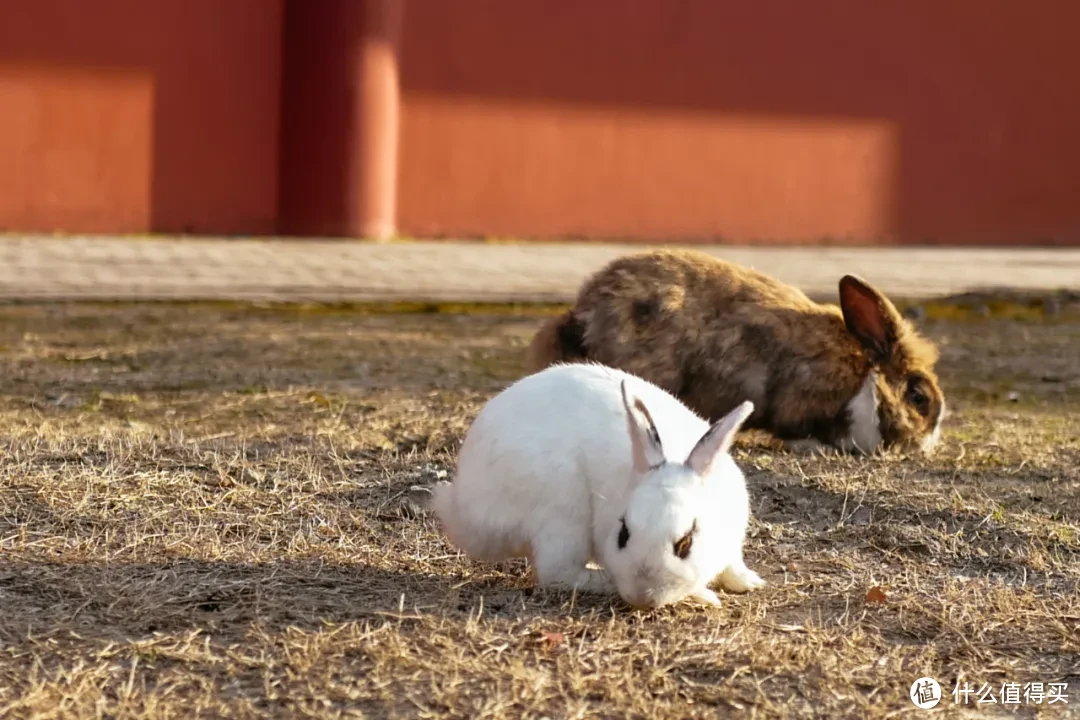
[376, 117]
[340, 97]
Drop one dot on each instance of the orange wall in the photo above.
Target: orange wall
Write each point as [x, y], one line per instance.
[132, 115]
[920, 121]
[904, 120]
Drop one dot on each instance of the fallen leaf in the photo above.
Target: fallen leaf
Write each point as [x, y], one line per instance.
[875, 595]
[552, 640]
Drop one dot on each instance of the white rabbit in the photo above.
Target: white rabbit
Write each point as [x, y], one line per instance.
[583, 462]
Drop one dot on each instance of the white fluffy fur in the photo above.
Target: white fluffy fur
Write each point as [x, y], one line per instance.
[546, 471]
[864, 435]
[930, 441]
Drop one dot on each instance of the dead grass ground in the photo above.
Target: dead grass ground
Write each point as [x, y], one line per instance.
[203, 514]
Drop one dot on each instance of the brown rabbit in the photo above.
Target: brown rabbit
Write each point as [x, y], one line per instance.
[714, 334]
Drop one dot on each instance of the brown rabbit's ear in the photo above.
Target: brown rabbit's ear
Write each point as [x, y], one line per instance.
[869, 316]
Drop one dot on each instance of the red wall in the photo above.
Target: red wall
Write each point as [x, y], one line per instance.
[895, 121]
[132, 115]
[917, 121]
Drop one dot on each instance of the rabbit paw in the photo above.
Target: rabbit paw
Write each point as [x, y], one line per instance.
[739, 579]
[809, 446]
[706, 596]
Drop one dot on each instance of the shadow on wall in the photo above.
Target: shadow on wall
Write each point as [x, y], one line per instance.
[139, 115]
[914, 121]
[318, 99]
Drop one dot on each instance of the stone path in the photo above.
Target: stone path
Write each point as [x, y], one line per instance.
[48, 267]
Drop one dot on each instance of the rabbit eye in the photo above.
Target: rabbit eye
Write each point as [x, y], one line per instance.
[917, 397]
[682, 547]
[624, 535]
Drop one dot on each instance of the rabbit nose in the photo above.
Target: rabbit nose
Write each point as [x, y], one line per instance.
[645, 596]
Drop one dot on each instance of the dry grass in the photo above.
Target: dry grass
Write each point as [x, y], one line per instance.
[204, 512]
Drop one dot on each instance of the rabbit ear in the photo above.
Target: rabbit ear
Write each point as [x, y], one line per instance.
[717, 439]
[869, 316]
[645, 445]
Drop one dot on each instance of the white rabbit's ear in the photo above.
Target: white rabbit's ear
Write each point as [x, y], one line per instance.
[645, 445]
[717, 439]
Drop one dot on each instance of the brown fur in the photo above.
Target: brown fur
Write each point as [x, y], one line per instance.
[558, 340]
[714, 334]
